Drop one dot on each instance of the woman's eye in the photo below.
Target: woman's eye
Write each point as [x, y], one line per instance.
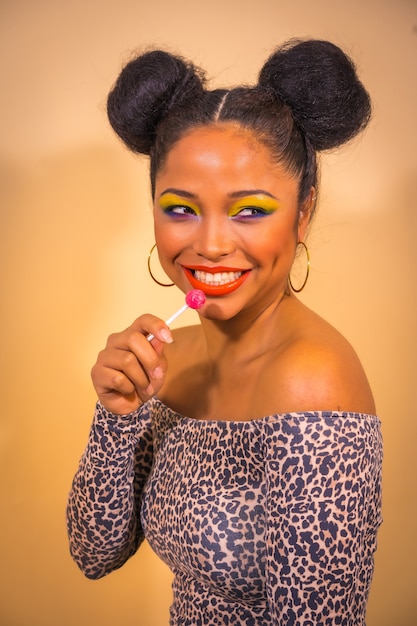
[180, 209]
[249, 212]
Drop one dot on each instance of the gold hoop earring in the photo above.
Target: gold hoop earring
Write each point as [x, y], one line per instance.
[308, 269]
[158, 282]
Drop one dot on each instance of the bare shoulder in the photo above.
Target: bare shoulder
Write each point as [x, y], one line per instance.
[309, 366]
[319, 369]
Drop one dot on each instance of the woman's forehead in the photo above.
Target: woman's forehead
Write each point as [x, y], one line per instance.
[219, 144]
[211, 159]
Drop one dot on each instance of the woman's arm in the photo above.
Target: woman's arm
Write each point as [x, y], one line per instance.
[103, 513]
[323, 512]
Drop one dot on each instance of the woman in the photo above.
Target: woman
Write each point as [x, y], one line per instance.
[246, 448]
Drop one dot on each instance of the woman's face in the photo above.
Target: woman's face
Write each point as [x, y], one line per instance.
[227, 220]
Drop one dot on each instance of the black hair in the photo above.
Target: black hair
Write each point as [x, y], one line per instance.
[308, 98]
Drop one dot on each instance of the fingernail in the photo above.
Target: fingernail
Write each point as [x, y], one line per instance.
[166, 335]
[157, 373]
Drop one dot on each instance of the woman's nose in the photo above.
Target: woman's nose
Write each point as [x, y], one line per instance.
[214, 239]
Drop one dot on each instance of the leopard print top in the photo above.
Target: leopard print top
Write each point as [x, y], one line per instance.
[271, 521]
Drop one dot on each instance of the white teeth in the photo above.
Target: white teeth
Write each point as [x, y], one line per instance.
[219, 278]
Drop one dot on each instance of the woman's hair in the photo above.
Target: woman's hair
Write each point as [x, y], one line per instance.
[308, 98]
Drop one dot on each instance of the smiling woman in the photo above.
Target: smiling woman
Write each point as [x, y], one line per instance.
[247, 451]
[233, 223]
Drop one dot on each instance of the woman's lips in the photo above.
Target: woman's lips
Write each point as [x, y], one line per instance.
[218, 281]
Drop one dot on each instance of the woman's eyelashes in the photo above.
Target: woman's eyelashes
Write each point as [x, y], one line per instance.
[181, 210]
[244, 213]
[176, 206]
[249, 213]
[253, 208]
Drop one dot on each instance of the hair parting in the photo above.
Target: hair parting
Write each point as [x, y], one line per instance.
[217, 114]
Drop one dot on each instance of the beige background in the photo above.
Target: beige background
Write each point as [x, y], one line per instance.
[75, 231]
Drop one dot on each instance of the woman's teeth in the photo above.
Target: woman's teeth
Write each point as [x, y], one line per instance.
[219, 278]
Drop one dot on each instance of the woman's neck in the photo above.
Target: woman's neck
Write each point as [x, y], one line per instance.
[248, 335]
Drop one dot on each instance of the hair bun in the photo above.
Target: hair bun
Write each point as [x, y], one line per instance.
[146, 89]
[318, 81]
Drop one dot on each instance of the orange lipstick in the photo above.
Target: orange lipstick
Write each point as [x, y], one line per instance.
[213, 288]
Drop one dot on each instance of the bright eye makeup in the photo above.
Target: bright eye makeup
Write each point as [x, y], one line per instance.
[253, 207]
[244, 209]
[176, 206]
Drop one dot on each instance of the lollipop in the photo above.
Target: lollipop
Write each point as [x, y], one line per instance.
[193, 300]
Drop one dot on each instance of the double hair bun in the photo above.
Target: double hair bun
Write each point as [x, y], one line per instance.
[314, 78]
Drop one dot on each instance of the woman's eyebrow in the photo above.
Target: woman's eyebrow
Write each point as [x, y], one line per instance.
[243, 193]
[251, 192]
[178, 192]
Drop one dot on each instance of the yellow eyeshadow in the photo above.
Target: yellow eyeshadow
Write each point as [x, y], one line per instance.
[169, 199]
[266, 203]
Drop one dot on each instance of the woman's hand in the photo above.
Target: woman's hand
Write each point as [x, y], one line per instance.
[131, 369]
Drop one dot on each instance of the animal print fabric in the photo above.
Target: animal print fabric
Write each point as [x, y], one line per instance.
[267, 522]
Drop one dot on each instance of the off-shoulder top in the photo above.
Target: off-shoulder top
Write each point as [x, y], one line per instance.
[268, 521]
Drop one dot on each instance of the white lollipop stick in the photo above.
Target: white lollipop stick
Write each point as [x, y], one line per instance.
[193, 300]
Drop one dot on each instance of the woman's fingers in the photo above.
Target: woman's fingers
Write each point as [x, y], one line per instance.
[131, 369]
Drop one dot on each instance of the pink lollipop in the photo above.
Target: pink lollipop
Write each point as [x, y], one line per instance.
[194, 300]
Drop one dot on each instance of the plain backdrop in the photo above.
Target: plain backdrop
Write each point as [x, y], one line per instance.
[75, 232]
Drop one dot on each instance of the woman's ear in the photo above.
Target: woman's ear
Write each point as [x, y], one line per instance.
[306, 213]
